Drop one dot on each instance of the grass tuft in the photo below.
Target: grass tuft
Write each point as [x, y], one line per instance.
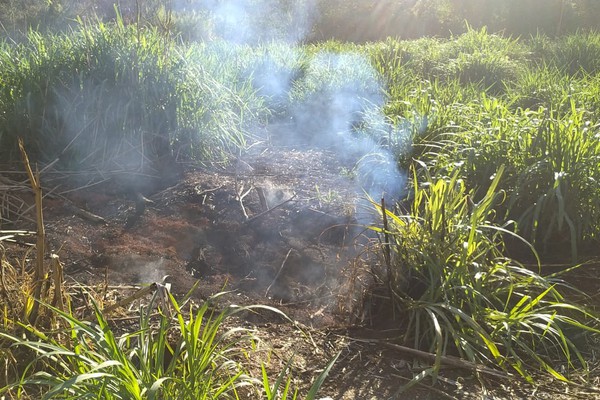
[456, 292]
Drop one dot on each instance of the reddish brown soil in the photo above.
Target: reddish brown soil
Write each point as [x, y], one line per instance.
[294, 241]
[288, 247]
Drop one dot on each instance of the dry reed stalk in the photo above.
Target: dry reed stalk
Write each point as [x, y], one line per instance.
[387, 251]
[4, 292]
[39, 274]
[278, 272]
[57, 270]
[12, 207]
[451, 361]
[161, 287]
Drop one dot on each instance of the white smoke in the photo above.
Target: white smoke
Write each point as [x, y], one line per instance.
[339, 106]
[332, 99]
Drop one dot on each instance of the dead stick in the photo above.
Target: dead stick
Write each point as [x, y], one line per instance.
[278, 272]
[241, 196]
[84, 213]
[203, 192]
[39, 274]
[57, 268]
[464, 364]
[386, 248]
[446, 360]
[270, 209]
[18, 232]
[133, 317]
[10, 236]
[129, 299]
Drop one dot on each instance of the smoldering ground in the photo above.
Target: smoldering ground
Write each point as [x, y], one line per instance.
[329, 100]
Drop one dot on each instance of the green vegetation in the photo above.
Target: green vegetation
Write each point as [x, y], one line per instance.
[504, 142]
[500, 135]
[347, 20]
[370, 20]
[187, 351]
[450, 281]
[109, 95]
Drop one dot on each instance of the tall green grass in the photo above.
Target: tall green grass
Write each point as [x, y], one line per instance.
[112, 96]
[476, 57]
[504, 156]
[530, 113]
[456, 293]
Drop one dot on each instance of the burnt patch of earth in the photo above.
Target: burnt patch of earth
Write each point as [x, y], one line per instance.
[278, 225]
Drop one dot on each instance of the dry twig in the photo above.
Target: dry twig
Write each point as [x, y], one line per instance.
[270, 209]
[39, 275]
[278, 272]
[162, 288]
[84, 213]
[446, 360]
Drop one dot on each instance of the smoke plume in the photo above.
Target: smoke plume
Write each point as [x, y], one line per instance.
[330, 100]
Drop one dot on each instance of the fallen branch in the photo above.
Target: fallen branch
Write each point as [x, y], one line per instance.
[162, 288]
[129, 299]
[15, 237]
[206, 191]
[80, 212]
[471, 366]
[241, 194]
[270, 209]
[445, 360]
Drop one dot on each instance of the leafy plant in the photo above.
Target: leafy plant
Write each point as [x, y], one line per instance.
[539, 87]
[448, 277]
[113, 96]
[562, 177]
[578, 54]
[143, 364]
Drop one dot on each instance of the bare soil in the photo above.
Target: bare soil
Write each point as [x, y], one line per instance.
[281, 226]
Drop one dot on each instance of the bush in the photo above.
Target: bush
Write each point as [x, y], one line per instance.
[447, 276]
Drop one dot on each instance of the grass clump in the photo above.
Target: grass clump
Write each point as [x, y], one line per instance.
[456, 120]
[89, 358]
[578, 54]
[488, 60]
[115, 96]
[458, 294]
[187, 351]
[551, 167]
[537, 87]
[476, 57]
